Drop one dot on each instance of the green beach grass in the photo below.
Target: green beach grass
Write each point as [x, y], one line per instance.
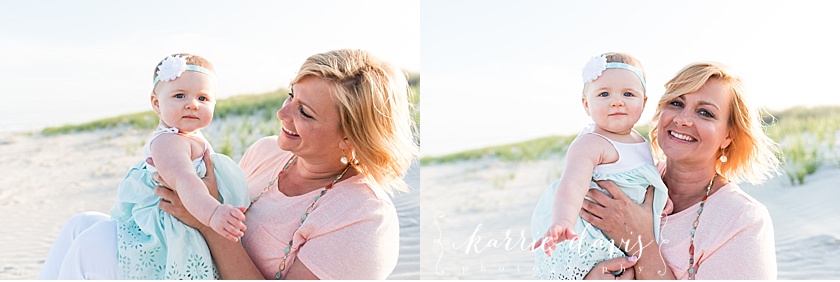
[807, 137]
[531, 150]
[535, 149]
[264, 105]
[238, 121]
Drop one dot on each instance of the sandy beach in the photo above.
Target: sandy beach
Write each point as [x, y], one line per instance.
[49, 179]
[476, 219]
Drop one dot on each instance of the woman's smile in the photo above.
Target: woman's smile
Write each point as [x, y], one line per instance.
[290, 133]
[681, 137]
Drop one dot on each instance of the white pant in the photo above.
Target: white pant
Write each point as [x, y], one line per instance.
[86, 248]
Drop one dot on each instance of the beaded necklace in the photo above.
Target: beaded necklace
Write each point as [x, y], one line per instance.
[692, 268]
[309, 209]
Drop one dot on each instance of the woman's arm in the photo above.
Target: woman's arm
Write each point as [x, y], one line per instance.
[630, 225]
[230, 257]
[234, 263]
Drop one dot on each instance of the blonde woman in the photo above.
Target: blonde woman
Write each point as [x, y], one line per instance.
[710, 139]
[320, 205]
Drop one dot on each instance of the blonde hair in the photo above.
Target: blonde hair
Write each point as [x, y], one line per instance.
[191, 60]
[752, 155]
[374, 111]
[619, 57]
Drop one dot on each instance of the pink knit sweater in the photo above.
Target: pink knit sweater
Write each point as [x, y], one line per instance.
[734, 238]
[353, 232]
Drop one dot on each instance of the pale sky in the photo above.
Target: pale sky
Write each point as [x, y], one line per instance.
[75, 61]
[496, 72]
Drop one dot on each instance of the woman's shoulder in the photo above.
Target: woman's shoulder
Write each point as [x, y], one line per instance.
[263, 153]
[361, 196]
[362, 189]
[733, 196]
[741, 208]
[264, 143]
[262, 147]
[740, 222]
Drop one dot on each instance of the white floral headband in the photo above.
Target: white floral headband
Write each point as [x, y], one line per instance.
[172, 67]
[596, 66]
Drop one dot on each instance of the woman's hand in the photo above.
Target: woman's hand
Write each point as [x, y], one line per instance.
[629, 224]
[606, 270]
[170, 201]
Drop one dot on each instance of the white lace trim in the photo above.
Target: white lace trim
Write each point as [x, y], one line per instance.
[572, 260]
[138, 260]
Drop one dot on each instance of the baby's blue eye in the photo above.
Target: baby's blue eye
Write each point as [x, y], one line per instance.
[179, 95]
[604, 94]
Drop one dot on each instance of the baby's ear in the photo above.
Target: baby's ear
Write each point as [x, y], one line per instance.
[585, 104]
[155, 103]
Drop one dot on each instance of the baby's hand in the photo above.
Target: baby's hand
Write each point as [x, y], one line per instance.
[555, 234]
[228, 221]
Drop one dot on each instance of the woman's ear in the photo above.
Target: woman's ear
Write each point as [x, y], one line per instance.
[727, 141]
[345, 144]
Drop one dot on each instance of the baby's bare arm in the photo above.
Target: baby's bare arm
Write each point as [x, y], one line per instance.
[171, 154]
[586, 152]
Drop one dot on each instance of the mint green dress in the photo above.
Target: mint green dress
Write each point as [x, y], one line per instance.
[154, 245]
[573, 259]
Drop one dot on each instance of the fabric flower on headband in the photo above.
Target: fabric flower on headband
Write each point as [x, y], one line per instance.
[593, 69]
[171, 68]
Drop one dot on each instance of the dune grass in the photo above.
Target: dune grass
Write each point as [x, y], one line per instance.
[807, 136]
[414, 98]
[238, 121]
[146, 119]
[531, 150]
[265, 105]
[522, 151]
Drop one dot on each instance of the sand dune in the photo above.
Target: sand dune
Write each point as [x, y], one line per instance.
[49, 179]
[475, 218]
[805, 222]
[408, 210]
[475, 221]
[475, 215]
